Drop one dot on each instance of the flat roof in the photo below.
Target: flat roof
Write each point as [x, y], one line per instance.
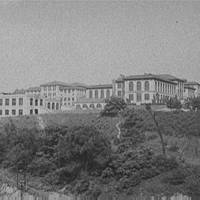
[63, 84]
[100, 86]
[148, 76]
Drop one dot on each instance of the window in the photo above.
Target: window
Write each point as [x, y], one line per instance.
[36, 102]
[49, 88]
[14, 102]
[130, 97]
[85, 106]
[31, 102]
[57, 106]
[131, 86]
[72, 98]
[20, 101]
[78, 106]
[0, 112]
[65, 99]
[31, 112]
[36, 111]
[96, 94]
[1, 102]
[146, 86]
[6, 112]
[119, 93]
[20, 112]
[92, 106]
[107, 94]
[53, 106]
[90, 94]
[139, 86]
[68, 99]
[41, 102]
[48, 105]
[99, 105]
[102, 94]
[119, 85]
[7, 102]
[13, 112]
[146, 96]
[139, 97]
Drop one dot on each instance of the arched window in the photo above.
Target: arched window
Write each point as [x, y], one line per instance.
[146, 86]
[53, 106]
[85, 106]
[107, 94]
[99, 105]
[102, 94]
[92, 106]
[57, 106]
[139, 86]
[96, 94]
[31, 102]
[36, 102]
[131, 86]
[48, 105]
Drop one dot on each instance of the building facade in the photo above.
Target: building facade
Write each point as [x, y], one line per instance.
[142, 89]
[59, 96]
[196, 86]
[189, 92]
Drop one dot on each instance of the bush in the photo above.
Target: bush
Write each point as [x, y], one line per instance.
[113, 106]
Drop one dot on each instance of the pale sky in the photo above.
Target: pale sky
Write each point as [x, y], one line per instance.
[95, 41]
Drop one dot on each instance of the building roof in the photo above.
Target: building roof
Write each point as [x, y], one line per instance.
[33, 89]
[100, 86]
[89, 100]
[192, 83]
[148, 76]
[170, 77]
[19, 91]
[189, 87]
[59, 83]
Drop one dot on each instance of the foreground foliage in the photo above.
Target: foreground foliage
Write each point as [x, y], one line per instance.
[85, 160]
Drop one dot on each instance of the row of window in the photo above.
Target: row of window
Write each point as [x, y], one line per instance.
[164, 87]
[139, 97]
[37, 102]
[69, 99]
[102, 95]
[139, 86]
[49, 88]
[53, 106]
[91, 106]
[6, 102]
[11, 112]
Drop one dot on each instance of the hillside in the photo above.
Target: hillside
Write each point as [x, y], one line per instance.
[82, 153]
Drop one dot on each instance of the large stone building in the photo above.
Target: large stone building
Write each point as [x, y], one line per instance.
[148, 88]
[194, 85]
[59, 96]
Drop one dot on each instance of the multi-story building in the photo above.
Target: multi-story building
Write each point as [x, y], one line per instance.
[147, 88]
[59, 96]
[195, 85]
[95, 96]
[189, 92]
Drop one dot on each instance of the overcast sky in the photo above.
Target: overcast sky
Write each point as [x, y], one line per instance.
[93, 42]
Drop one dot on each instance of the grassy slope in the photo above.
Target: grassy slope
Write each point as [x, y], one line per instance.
[180, 130]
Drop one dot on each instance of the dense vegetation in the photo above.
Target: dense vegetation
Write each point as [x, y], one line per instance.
[84, 159]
